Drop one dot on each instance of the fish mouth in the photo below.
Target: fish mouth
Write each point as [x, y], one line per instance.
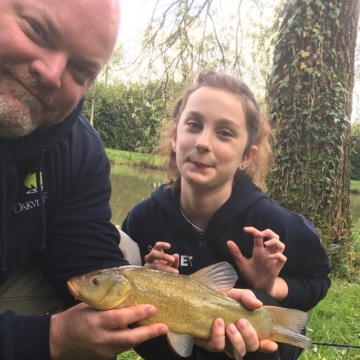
[73, 289]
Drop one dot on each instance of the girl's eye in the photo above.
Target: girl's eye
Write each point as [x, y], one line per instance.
[225, 133]
[194, 125]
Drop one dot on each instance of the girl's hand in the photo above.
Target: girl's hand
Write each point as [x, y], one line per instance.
[262, 269]
[241, 335]
[159, 260]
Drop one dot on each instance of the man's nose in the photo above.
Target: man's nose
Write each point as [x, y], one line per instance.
[49, 68]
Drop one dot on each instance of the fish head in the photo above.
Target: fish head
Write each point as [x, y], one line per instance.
[101, 290]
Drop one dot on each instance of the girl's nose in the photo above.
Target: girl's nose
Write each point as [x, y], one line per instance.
[203, 142]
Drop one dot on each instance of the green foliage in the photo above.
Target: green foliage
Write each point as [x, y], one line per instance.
[309, 91]
[128, 117]
[129, 355]
[355, 151]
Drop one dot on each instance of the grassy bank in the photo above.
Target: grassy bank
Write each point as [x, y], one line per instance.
[129, 158]
[151, 161]
[355, 186]
[335, 319]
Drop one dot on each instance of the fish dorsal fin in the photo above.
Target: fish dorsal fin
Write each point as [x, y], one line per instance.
[219, 277]
[181, 344]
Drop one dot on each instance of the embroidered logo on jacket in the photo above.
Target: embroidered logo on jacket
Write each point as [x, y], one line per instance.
[30, 183]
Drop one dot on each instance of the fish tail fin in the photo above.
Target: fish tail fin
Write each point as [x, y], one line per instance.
[288, 326]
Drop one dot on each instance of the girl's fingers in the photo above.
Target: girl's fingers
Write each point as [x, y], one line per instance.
[161, 245]
[155, 255]
[275, 244]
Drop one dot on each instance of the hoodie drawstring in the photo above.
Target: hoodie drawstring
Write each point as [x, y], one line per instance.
[2, 212]
[40, 191]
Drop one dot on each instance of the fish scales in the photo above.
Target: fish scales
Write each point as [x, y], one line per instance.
[188, 305]
[178, 300]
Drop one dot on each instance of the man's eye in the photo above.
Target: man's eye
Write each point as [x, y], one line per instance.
[81, 70]
[36, 28]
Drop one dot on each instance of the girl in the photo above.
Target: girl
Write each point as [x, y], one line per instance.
[219, 158]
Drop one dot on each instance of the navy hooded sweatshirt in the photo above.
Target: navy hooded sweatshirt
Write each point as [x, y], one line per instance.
[69, 232]
[159, 218]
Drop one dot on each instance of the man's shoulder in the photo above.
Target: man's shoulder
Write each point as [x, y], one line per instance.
[84, 139]
[83, 127]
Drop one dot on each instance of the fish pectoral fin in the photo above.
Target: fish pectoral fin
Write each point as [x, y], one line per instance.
[231, 351]
[181, 344]
[219, 277]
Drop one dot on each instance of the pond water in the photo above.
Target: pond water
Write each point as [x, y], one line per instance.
[130, 185]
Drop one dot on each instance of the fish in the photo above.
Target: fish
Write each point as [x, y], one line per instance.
[187, 304]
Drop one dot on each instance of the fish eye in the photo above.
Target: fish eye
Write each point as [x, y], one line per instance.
[95, 281]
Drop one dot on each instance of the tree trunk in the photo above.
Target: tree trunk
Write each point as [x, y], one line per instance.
[310, 95]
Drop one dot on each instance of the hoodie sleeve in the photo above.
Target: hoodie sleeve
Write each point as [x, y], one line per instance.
[307, 269]
[80, 236]
[24, 337]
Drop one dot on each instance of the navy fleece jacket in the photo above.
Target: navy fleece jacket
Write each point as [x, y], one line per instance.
[305, 271]
[159, 219]
[69, 233]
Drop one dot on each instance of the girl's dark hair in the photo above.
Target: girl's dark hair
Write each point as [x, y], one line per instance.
[257, 124]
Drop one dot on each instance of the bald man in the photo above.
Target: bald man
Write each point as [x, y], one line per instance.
[55, 189]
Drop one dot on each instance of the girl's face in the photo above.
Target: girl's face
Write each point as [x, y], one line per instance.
[210, 139]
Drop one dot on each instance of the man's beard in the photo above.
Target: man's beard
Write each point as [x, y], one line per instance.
[15, 120]
[21, 114]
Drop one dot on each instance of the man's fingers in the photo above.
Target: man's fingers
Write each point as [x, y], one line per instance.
[136, 336]
[122, 317]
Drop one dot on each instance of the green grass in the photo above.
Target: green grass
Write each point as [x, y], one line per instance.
[355, 186]
[129, 355]
[336, 319]
[129, 158]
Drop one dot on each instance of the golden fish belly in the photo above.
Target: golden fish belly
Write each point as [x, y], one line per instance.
[187, 306]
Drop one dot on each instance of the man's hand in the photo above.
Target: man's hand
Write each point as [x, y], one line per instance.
[83, 333]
